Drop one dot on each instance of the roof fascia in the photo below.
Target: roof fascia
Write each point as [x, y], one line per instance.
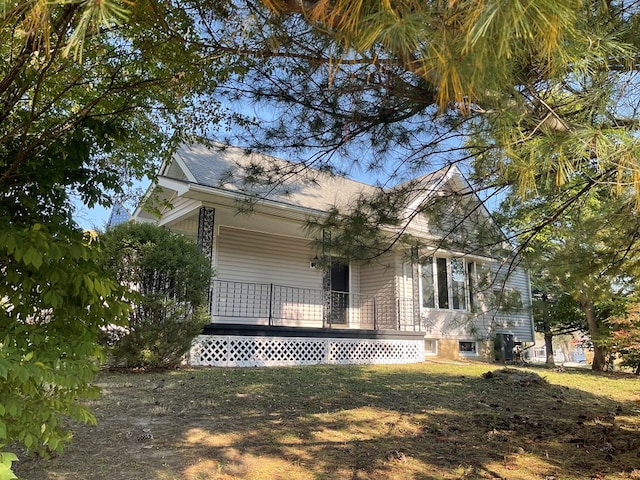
[438, 183]
[274, 204]
[138, 212]
[457, 254]
[172, 215]
[167, 183]
[178, 186]
[195, 190]
[455, 175]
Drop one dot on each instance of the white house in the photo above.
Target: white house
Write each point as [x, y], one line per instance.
[278, 300]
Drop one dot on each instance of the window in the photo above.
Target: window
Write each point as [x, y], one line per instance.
[446, 283]
[428, 286]
[467, 348]
[431, 346]
[443, 283]
[471, 278]
[458, 283]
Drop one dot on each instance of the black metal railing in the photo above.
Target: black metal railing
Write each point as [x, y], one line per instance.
[273, 304]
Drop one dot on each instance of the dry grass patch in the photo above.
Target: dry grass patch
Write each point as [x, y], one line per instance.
[356, 422]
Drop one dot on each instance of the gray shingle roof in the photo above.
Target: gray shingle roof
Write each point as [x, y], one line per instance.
[118, 215]
[234, 169]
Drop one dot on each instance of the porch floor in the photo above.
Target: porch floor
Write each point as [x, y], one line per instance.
[307, 332]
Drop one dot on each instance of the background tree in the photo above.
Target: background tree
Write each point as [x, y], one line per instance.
[589, 252]
[555, 313]
[89, 126]
[92, 91]
[521, 94]
[171, 279]
[404, 82]
[624, 340]
[92, 96]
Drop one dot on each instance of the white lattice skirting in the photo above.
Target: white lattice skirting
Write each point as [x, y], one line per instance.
[258, 351]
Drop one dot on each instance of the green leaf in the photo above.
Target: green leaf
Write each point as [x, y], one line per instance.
[5, 366]
[33, 257]
[6, 459]
[10, 243]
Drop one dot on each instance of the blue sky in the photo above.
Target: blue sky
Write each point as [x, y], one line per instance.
[96, 218]
[91, 218]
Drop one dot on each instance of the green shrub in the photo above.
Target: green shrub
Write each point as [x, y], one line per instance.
[170, 278]
[54, 301]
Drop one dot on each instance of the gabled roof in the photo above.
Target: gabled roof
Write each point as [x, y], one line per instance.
[239, 175]
[223, 175]
[238, 171]
[234, 170]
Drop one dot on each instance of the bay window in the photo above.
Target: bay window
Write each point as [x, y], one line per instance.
[446, 283]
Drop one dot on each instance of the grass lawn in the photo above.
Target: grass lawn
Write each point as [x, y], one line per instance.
[426, 421]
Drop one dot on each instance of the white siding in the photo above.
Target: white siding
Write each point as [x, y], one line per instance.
[256, 257]
[487, 321]
[357, 315]
[448, 323]
[186, 227]
[406, 302]
[260, 258]
[481, 321]
[174, 171]
[377, 280]
[181, 208]
[519, 323]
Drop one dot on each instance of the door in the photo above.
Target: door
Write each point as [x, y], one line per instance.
[338, 293]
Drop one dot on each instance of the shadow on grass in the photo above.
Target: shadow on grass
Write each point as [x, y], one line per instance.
[404, 422]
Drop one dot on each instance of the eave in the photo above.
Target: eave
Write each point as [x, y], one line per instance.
[215, 196]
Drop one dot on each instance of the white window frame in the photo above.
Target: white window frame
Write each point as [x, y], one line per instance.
[436, 287]
[465, 353]
[434, 351]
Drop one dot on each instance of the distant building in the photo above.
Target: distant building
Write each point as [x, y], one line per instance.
[119, 215]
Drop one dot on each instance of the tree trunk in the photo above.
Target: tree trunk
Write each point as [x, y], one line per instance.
[548, 346]
[566, 352]
[599, 362]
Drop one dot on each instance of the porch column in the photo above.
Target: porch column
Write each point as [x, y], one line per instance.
[206, 225]
[206, 219]
[326, 280]
[415, 277]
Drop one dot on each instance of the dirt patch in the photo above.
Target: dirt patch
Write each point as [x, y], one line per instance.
[512, 376]
[383, 422]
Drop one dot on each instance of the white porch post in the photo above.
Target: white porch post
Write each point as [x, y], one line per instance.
[415, 279]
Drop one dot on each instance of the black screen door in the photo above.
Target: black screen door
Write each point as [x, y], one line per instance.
[339, 306]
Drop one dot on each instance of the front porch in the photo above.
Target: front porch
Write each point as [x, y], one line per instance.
[260, 324]
[287, 306]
